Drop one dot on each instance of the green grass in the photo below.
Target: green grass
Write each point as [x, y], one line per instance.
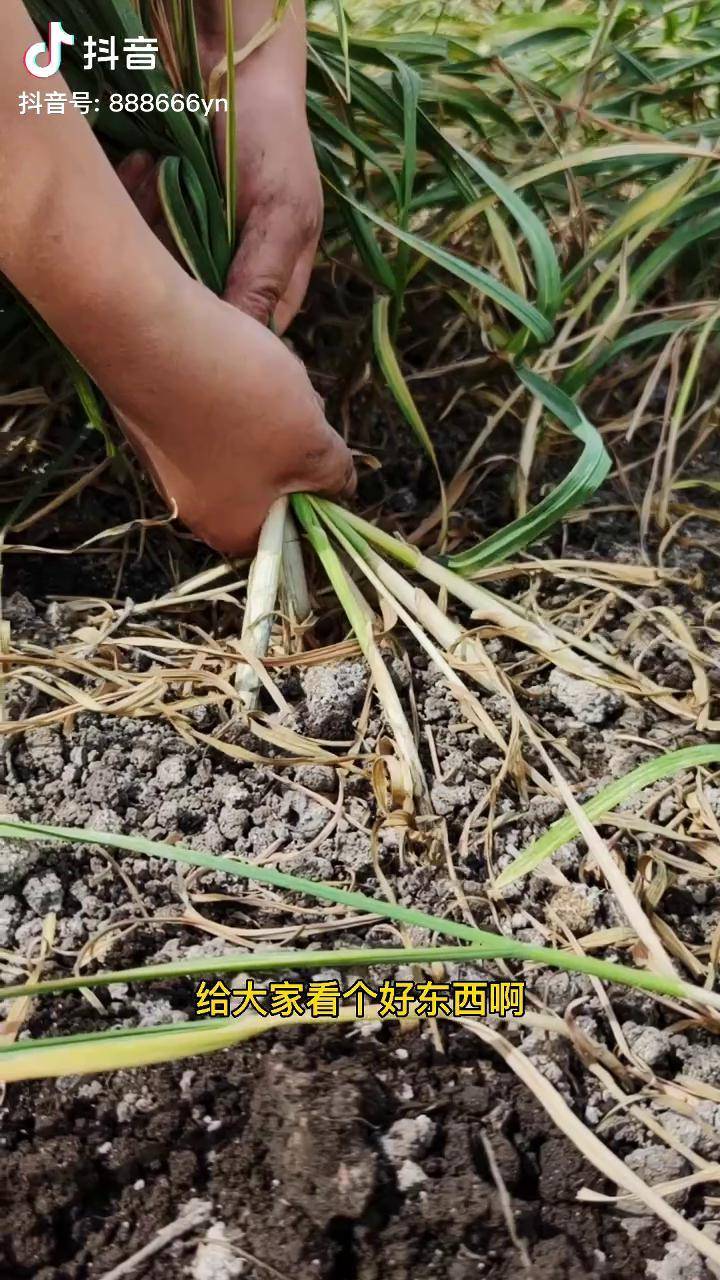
[88, 1053]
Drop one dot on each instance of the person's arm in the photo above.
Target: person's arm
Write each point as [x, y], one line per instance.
[280, 205]
[225, 417]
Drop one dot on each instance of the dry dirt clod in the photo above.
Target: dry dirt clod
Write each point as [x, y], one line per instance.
[408, 1139]
[681, 1262]
[587, 702]
[16, 860]
[651, 1044]
[658, 1163]
[332, 696]
[44, 893]
[215, 1258]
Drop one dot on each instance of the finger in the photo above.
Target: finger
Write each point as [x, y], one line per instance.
[263, 266]
[134, 168]
[240, 537]
[329, 468]
[350, 483]
[138, 174]
[294, 295]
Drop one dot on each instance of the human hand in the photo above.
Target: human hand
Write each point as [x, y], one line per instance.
[279, 193]
[280, 202]
[226, 420]
[224, 415]
[279, 206]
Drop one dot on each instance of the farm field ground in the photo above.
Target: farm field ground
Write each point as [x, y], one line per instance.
[389, 1150]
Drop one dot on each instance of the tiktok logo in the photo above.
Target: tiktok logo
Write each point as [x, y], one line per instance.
[56, 39]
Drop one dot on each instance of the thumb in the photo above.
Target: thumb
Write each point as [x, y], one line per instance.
[264, 263]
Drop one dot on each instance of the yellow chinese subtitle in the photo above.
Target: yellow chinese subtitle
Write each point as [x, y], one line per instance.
[324, 998]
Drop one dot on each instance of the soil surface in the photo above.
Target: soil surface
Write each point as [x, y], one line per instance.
[301, 1148]
[380, 1153]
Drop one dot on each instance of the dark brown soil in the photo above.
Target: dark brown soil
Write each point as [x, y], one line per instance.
[285, 1141]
